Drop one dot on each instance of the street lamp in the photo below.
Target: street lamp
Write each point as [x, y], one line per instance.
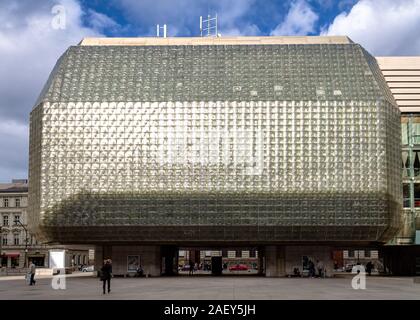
[17, 221]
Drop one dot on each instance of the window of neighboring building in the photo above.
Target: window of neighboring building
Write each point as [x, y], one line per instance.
[37, 261]
[3, 261]
[6, 221]
[6, 202]
[17, 219]
[16, 240]
[405, 130]
[17, 202]
[406, 195]
[4, 240]
[14, 262]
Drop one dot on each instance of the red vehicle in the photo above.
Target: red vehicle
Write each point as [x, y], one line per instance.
[238, 267]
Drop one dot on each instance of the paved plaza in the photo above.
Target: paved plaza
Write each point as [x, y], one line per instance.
[85, 286]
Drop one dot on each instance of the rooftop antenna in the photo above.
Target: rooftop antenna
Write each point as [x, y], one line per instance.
[208, 27]
[158, 30]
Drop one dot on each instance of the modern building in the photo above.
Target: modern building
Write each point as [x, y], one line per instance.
[145, 146]
[17, 244]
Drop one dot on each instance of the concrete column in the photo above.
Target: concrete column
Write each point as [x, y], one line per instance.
[153, 265]
[22, 259]
[261, 260]
[274, 261]
[194, 256]
[99, 257]
[170, 257]
[107, 252]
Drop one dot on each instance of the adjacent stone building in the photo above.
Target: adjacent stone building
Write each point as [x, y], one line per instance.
[17, 244]
[14, 239]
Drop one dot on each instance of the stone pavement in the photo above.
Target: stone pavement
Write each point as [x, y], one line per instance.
[85, 286]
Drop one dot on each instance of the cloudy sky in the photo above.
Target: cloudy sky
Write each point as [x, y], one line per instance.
[31, 42]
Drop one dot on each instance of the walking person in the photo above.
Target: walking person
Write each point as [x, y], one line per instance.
[32, 268]
[139, 271]
[369, 267]
[191, 268]
[106, 274]
[311, 267]
[320, 267]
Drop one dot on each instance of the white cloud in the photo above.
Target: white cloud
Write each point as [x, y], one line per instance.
[15, 149]
[346, 4]
[232, 20]
[326, 3]
[99, 21]
[383, 27]
[248, 30]
[29, 48]
[300, 20]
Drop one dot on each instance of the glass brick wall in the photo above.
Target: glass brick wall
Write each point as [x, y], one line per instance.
[216, 143]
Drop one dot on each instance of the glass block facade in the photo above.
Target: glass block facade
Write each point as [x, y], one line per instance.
[219, 143]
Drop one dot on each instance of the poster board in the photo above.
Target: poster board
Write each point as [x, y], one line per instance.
[133, 263]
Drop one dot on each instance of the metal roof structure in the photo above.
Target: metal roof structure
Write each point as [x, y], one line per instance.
[275, 69]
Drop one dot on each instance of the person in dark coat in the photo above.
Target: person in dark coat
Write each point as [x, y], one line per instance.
[369, 267]
[191, 271]
[106, 274]
[311, 266]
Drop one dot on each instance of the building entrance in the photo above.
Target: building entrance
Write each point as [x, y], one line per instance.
[220, 261]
